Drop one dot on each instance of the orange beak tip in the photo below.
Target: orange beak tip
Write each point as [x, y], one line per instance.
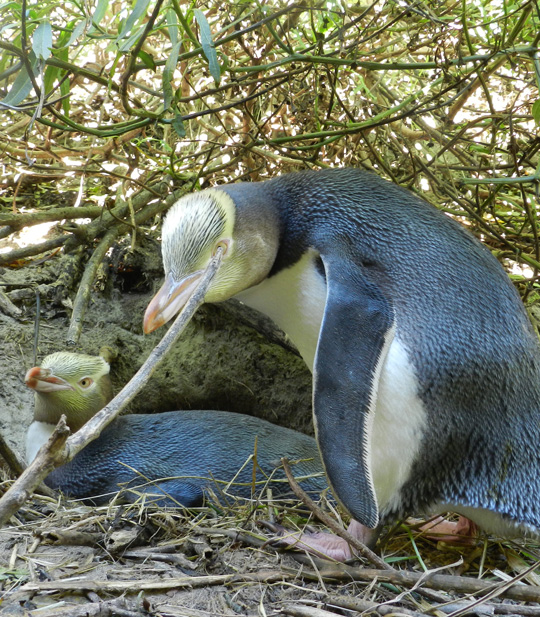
[169, 301]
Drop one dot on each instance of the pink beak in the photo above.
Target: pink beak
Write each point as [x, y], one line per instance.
[43, 380]
[169, 300]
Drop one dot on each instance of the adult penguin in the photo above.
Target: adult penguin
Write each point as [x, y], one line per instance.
[426, 369]
[176, 455]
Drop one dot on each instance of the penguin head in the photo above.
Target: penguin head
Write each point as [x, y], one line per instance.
[194, 229]
[67, 383]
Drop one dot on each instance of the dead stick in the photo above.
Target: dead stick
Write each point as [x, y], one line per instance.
[442, 582]
[135, 586]
[331, 524]
[48, 458]
[52, 455]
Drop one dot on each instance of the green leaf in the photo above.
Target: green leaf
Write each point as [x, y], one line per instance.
[64, 91]
[138, 11]
[10, 5]
[178, 126]
[126, 44]
[7, 574]
[147, 60]
[172, 26]
[22, 85]
[42, 41]
[208, 45]
[168, 72]
[77, 31]
[100, 11]
[52, 73]
[536, 111]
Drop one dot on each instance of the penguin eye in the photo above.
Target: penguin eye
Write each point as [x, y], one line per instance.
[224, 245]
[86, 382]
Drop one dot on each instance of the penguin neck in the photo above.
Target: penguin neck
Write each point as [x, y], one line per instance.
[38, 434]
[294, 299]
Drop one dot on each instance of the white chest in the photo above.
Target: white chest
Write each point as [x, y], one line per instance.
[295, 299]
[38, 434]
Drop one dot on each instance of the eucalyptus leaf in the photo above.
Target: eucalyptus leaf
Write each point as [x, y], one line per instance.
[168, 72]
[208, 45]
[536, 111]
[65, 91]
[42, 41]
[178, 126]
[172, 26]
[22, 85]
[139, 10]
[100, 11]
[126, 44]
[52, 73]
[12, 25]
[77, 31]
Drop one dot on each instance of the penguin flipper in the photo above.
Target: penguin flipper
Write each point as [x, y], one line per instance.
[173, 493]
[356, 332]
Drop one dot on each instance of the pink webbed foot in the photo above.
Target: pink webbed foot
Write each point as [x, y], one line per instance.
[460, 533]
[324, 544]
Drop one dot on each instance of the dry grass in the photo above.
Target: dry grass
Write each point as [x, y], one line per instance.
[64, 559]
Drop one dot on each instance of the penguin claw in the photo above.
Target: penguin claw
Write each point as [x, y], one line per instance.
[320, 543]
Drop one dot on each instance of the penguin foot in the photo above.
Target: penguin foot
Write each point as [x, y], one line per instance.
[321, 543]
[461, 533]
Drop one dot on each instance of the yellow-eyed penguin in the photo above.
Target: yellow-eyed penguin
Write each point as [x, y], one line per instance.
[178, 453]
[426, 370]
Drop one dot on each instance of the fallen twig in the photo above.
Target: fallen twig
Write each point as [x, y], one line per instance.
[48, 458]
[135, 586]
[441, 582]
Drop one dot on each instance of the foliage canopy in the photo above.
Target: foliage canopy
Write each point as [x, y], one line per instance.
[438, 96]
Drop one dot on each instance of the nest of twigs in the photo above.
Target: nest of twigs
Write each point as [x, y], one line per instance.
[61, 559]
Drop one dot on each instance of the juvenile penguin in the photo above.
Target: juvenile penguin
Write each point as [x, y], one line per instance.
[179, 453]
[426, 369]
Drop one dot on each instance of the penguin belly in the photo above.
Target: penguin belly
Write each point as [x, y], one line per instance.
[37, 435]
[295, 299]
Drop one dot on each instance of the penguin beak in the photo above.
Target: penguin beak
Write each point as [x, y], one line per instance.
[43, 380]
[169, 300]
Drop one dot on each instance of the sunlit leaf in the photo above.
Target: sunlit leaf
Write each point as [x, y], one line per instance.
[208, 45]
[42, 40]
[168, 72]
[127, 44]
[51, 75]
[172, 26]
[8, 26]
[22, 85]
[100, 11]
[64, 91]
[536, 111]
[77, 31]
[138, 11]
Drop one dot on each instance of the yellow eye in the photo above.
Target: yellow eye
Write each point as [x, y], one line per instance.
[86, 382]
[223, 245]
